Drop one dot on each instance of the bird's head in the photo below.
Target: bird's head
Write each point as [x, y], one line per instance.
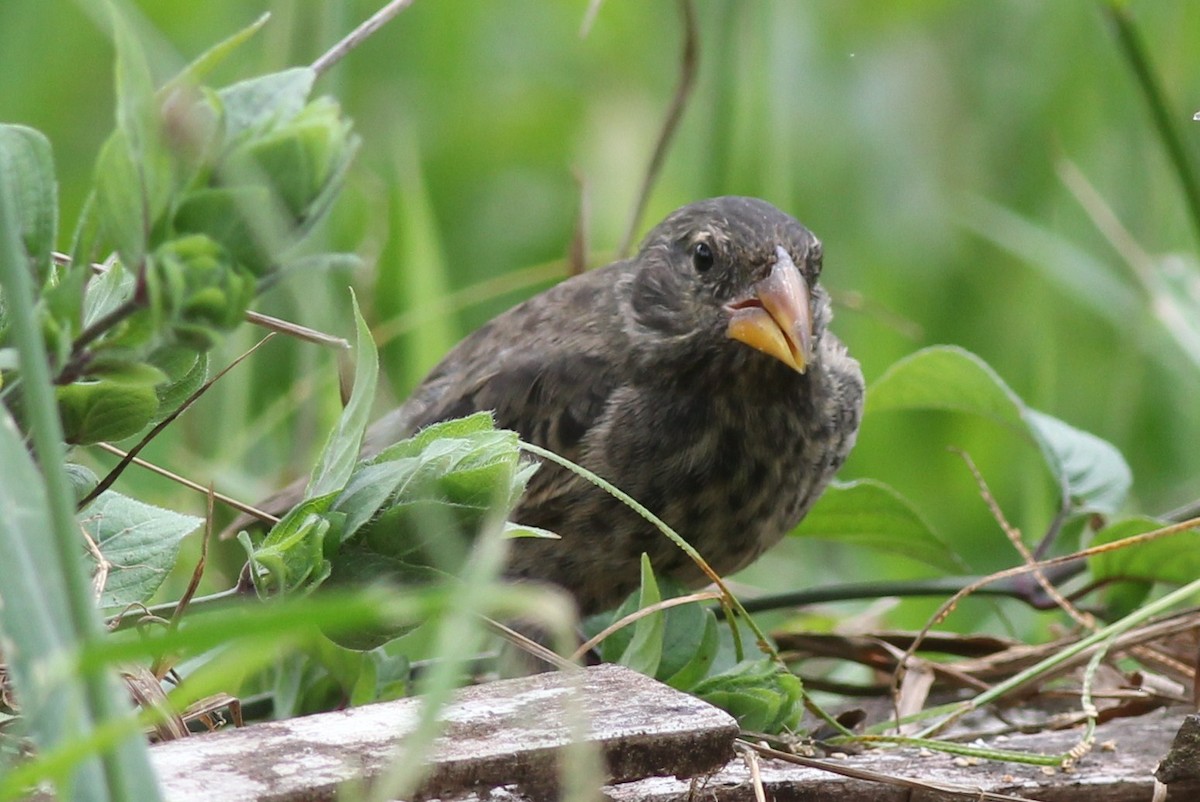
[734, 272]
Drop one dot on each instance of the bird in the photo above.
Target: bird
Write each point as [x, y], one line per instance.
[698, 376]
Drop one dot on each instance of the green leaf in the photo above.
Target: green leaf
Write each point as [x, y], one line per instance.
[265, 99]
[106, 292]
[513, 530]
[82, 479]
[120, 210]
[872, 515]
[1169, 559]
[207, 61]
[340, 454]
[644, 652]
[139, 542]
[689, 638]
[412, 511]
[369, 488]
[27, 168]
[457, 428]
[1129, 573]
[136, 106]
[292, 556]
[945, 377]
[1092, 472]
[186, 371]
[119, 404]
[759, 694]
[389, 676]
[690, 645]
[295, 158]
[135, 173]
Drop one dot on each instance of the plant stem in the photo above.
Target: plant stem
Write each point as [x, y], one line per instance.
[1160, 111]
[689, 64]
[78, 361]
[1177, 596]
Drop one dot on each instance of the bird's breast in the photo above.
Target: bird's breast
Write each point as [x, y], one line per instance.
[730, 471]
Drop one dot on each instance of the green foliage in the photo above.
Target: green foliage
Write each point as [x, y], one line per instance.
[46, 609]
[202, 194]
[341, 451]
[644, 651]
[1093, 474]
[198, 288]
[206, 194]
[27, 168]
[185, 370]
[869, 514]
[677, 646]
[760, 694]
[139, 542]
[87, 361]
[1134, 570]
[113, 407]
[408, 513]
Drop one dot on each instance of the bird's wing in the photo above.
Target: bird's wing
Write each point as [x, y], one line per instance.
[545, 369]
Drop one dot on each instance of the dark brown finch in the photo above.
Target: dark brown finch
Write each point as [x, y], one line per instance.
[699, 377]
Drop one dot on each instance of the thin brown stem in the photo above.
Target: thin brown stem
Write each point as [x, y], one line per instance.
[80, 357]
[188, 483]
[359, 35]
[689, 62]
[112, 475]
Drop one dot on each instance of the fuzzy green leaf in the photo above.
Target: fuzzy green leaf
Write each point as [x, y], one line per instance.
[947, 378]
[186, 371]
[759, 694]
[690, 646]
[412, 511]
[689, 638]
[292, 556]
[1093, 470]
[139, 542]
[106, 292]
[207, 61]
[265, 99]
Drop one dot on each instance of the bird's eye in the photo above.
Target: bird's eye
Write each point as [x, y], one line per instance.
[702, 256]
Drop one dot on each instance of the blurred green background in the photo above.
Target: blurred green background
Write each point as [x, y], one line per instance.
[921, 140]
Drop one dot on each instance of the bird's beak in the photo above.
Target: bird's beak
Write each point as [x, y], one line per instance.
[775, 317]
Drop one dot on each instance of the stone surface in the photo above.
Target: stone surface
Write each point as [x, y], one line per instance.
[1120, 768]
[502, 733]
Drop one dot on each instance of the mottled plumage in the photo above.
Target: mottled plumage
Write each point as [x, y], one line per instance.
[641, 372]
